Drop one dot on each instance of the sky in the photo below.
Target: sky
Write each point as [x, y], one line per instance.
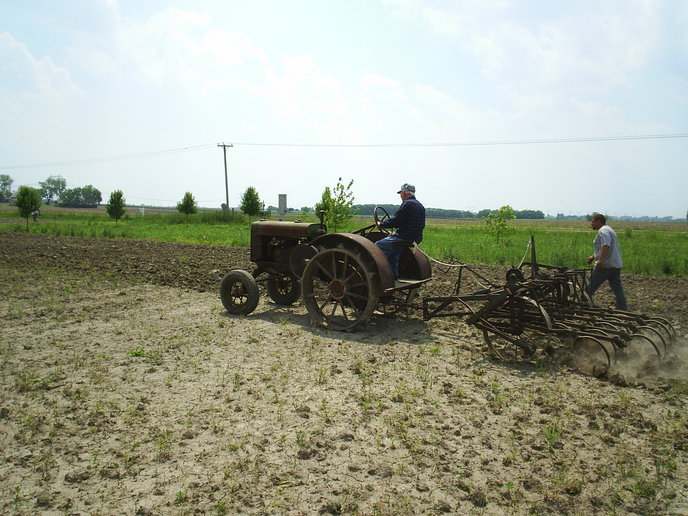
[558, 106]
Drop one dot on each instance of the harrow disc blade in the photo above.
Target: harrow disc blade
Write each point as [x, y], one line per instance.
[665, 328]
[641, 352]
[591, 355]
[657, 337]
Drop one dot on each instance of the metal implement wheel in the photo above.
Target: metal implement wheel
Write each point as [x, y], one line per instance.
[516, 348]
[239, 292]
[283, 289]
[520, 338]
[339, 290]
[399, 301]
[378, 219]
[509, 348]
[514, 275]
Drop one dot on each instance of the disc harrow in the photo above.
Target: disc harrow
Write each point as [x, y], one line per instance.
[548, 309]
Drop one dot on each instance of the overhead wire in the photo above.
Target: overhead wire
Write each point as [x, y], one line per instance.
[471, 144]
[164, 152]
[107, 159]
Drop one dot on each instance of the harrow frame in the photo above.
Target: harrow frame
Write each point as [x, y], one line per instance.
[548, 309]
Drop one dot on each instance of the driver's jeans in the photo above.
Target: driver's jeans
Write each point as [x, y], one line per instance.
[392, 246]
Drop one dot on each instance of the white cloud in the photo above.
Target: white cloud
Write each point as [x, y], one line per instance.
[449, 120]
[165, 45]
[442, 22]
[230, 49]
[593, 47]
[23, 74]
[215, 70]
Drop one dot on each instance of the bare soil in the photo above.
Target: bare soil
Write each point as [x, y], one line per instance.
[126, 389]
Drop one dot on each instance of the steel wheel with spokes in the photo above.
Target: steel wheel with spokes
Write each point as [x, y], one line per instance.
[513, 348]
[340, 291]
[510, 339]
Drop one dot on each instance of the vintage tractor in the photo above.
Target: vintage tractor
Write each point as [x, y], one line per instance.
[342, 277]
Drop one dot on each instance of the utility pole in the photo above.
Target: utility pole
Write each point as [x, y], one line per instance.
[224, 149]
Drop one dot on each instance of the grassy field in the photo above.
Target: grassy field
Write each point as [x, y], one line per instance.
[657, 249]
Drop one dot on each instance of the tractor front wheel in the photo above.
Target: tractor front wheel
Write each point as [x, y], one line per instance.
[239, 292]
[283, 289]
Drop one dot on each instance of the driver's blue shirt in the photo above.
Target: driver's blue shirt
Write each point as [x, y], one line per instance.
[409, 220]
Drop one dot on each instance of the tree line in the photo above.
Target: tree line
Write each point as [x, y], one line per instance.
[337, 203]
[54, 190]
[336, 199]
[440, 213]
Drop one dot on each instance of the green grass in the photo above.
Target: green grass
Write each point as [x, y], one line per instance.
[649, 251]
[656, 249]
[206, 227]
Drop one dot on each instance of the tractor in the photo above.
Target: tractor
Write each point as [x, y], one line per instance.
[342, 277]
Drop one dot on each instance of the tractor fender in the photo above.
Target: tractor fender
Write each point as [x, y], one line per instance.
[362, 246]
[413, 263]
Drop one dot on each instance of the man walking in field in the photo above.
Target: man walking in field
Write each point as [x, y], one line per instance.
[607, 258]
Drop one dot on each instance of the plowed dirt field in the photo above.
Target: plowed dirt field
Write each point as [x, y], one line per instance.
[126, 389]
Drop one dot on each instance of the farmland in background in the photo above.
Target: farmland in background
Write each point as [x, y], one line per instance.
[656, 249]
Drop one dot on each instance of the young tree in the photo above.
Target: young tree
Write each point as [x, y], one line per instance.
[498, 223]
[115, 207]
[250, 202]
[53, 187]
[5, 186]
[187, 205]
[337, 205]
[28, 200]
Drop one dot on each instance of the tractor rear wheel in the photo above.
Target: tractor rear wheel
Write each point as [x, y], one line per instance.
[239, 292]
[340, 291]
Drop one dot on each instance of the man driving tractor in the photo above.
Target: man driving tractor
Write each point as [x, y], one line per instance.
[409, 221]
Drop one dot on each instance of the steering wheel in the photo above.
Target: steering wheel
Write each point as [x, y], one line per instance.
[379, 219]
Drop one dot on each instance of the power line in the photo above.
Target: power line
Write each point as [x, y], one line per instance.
[350, 145]
[477, 143]
[108, 158]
